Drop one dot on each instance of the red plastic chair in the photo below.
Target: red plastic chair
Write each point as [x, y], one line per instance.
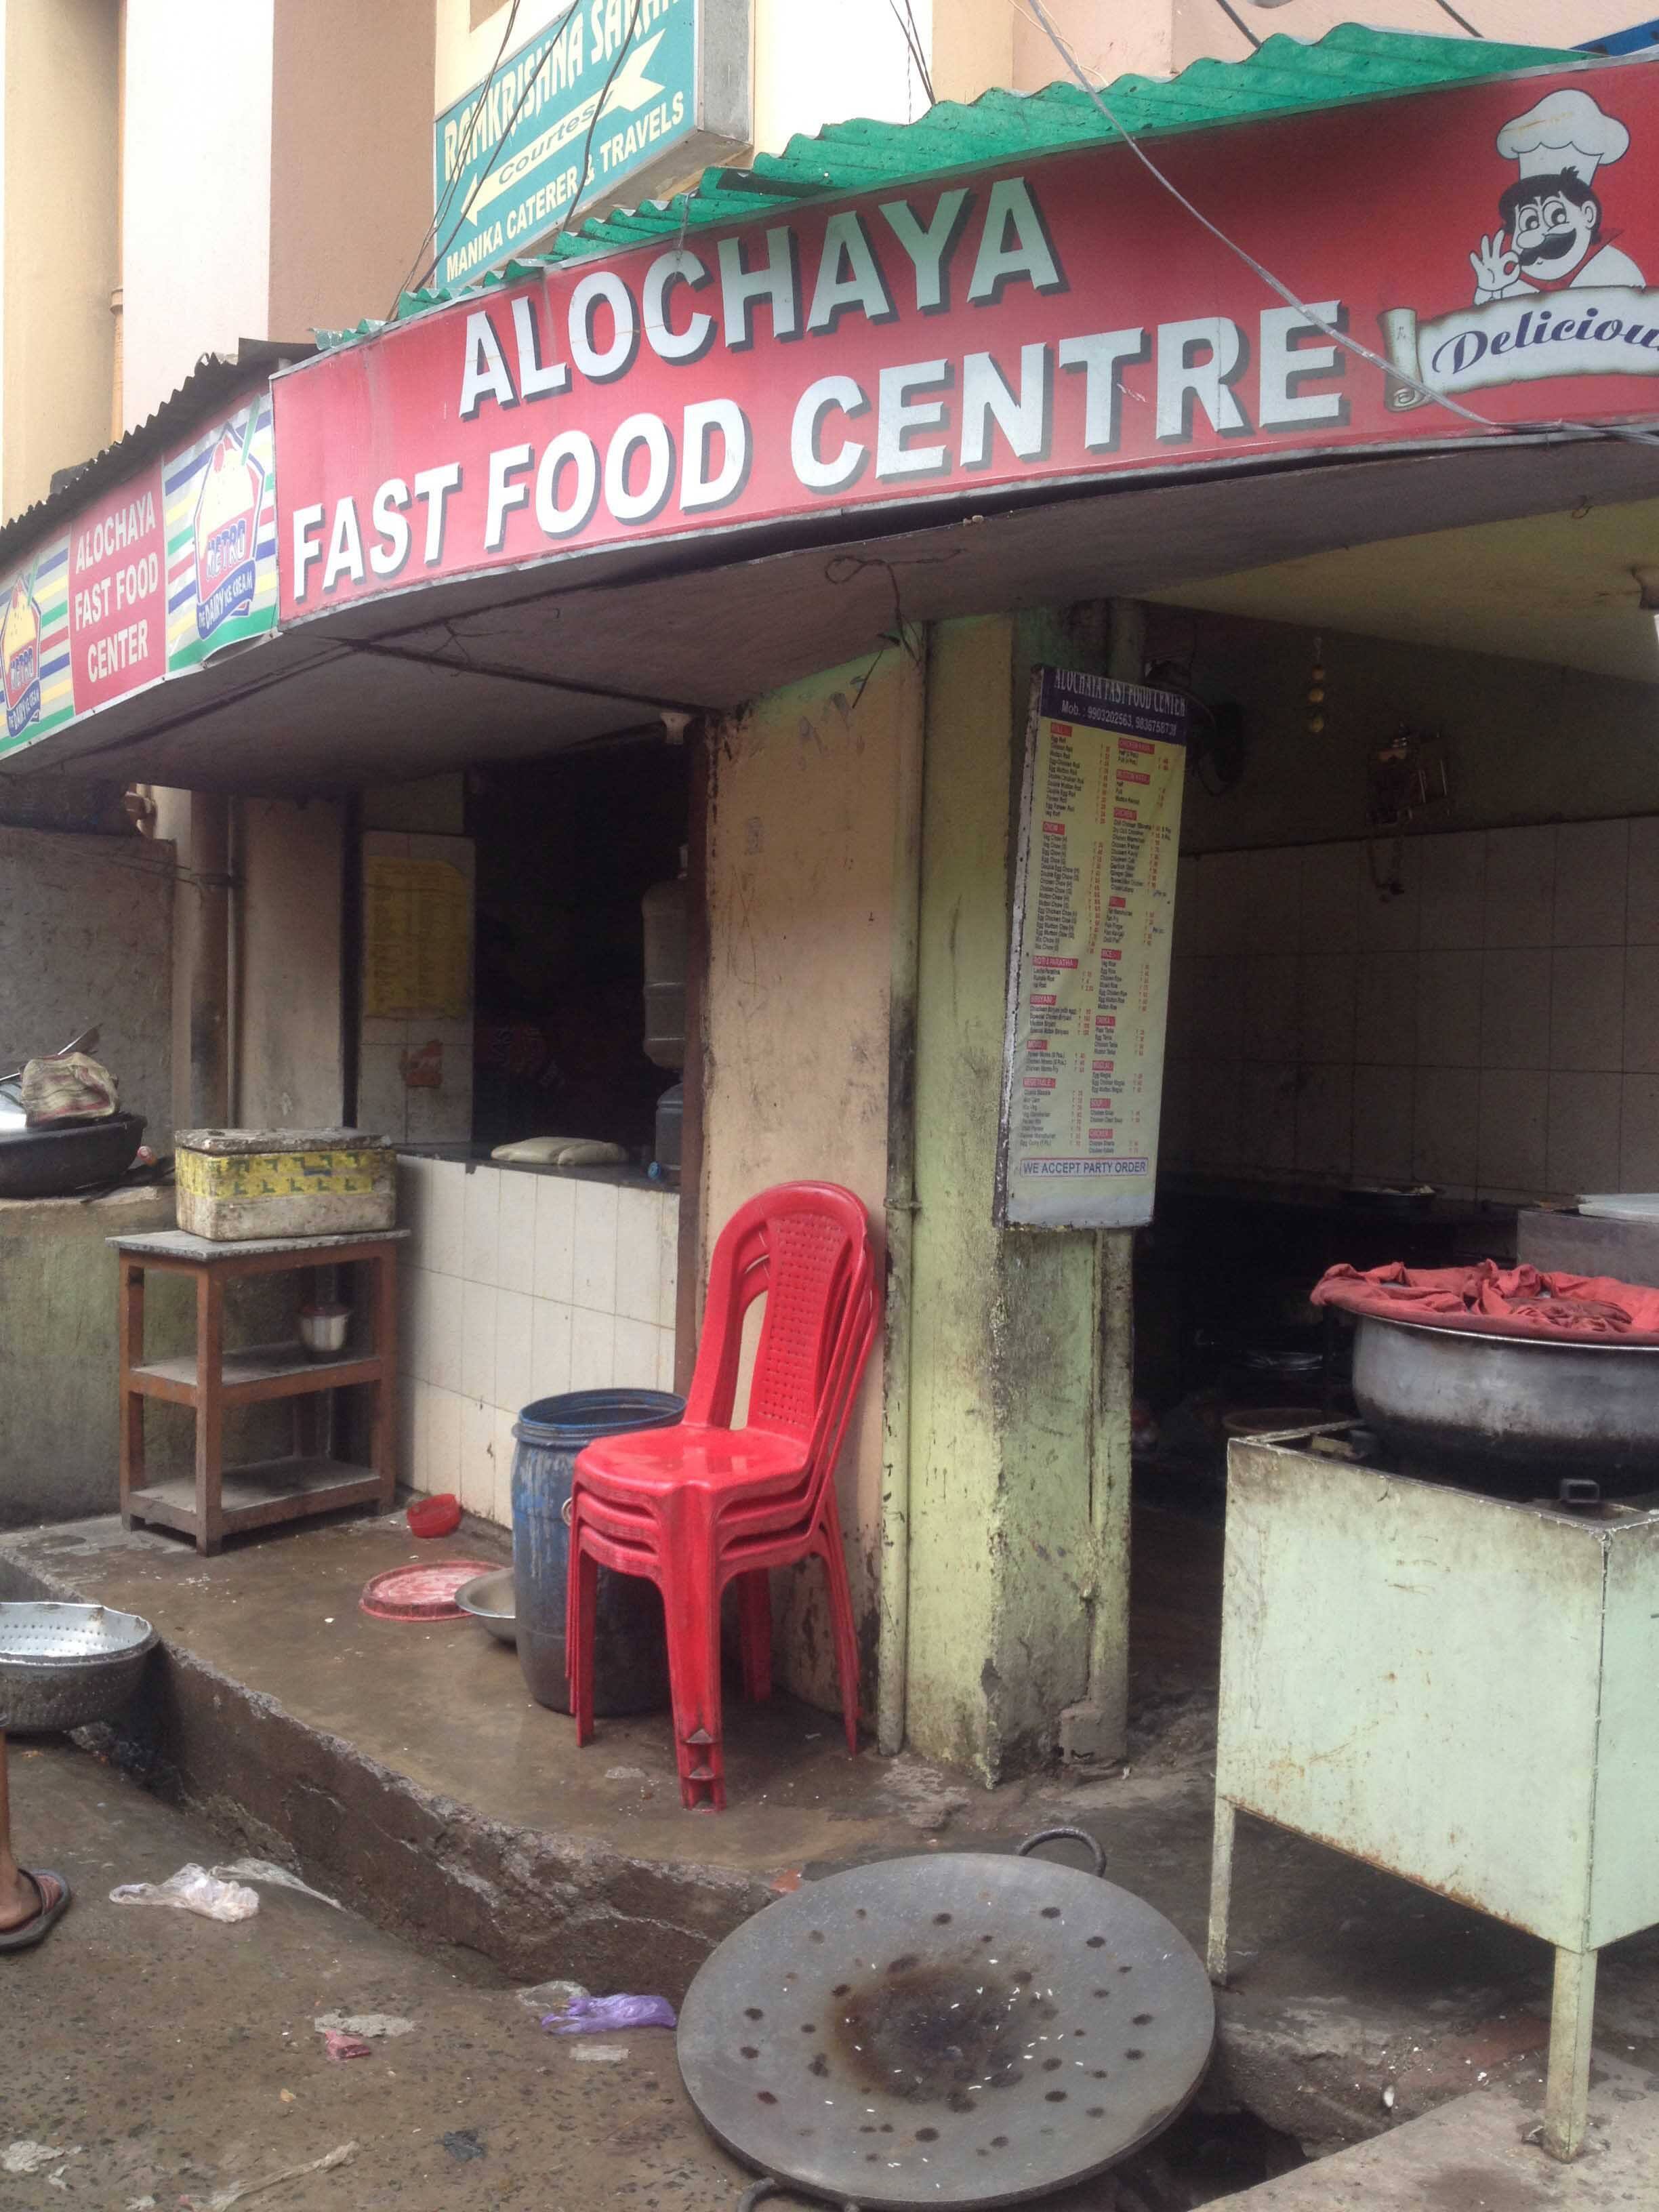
[696, 1506]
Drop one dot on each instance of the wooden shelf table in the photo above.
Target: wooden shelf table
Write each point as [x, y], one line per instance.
[221, 1501]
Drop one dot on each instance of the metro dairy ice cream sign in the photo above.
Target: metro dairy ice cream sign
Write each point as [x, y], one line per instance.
[35, 668]
[219, 500]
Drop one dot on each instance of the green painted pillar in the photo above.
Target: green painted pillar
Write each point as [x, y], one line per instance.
[1016, 1588]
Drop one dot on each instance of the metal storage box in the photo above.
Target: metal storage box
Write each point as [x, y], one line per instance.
[237, 1185]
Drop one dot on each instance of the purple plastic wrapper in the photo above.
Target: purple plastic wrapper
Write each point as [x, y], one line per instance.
[604, 2015]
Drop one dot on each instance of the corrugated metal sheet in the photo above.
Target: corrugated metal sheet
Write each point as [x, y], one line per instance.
[215, 378]
[1283, 76]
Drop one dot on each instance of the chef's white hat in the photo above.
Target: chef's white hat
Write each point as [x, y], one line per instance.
[1566, 131]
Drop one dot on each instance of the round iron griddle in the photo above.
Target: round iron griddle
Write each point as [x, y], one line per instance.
[965, 2030]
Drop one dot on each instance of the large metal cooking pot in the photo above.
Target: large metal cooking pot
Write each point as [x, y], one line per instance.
[1493, 1405]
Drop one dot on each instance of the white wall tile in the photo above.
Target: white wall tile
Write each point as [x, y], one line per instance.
[1220, 1008]
[1448, 1008]
[414, 1183]
[409, 1442]
[1642, 891]
[1267, 1115]
[555, 1238]
[1390, 917]
[1515, 1008]
[1385, 1029]
[1587, 1006]
[1222, 910]
[1453, 870]
[1520, 886]
[593, 1349]
[484, 1224]
[515, 1248]
[1217, 1091]
[414, 1322]
[1513, 1129]
[381, 1096]
[1324, 1122]
[1383, 1133]
[668, 1260]
[1592, 868]
[595, 1273]
[1271, 894]
[639, 1257]
[1329, 907]
[633, 1355]
[477, 1488]
[444, 1116]
[502, 1510]
[515, 1356]
[1641, 1050]
[478, 1340]
[1584, 1132]
[1639, 1153]
[1326, 1005]
[441, 1361]
[1270, 984]
[665, 1359]
[446, 1217]
[549, 1349]
[441, 1439]
[1446, 1126]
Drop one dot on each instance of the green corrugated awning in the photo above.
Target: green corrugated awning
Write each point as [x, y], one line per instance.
[1285, 75]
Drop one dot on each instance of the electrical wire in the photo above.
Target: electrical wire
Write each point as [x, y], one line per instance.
[587, 144]
[1332, 330]
[484, 175]
[442, 207]
[1239, 24]
[1462, 21]
[912, 37]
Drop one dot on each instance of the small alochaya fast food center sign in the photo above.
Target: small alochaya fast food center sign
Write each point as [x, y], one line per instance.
[1056, 322]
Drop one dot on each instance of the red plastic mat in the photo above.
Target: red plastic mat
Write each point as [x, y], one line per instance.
[1493, 1301]
[423, 1593]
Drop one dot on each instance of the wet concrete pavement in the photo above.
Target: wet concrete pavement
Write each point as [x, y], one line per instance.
[157, 2047]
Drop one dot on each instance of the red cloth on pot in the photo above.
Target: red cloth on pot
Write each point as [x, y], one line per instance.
[1493, 1301]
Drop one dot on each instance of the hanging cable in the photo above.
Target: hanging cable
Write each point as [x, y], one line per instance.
[587, 143]
[1316, 321]
[1462, 21]
[912, 37]
[1238, 24]
[442, 207]
[484, 175]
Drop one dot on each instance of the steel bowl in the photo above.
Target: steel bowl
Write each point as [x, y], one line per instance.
[1488, 1405]
[63, 1666]
[489, 1598]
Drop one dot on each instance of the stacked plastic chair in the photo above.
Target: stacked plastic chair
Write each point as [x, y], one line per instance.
[700, 1505]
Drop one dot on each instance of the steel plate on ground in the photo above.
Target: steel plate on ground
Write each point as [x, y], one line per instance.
[966, 2030]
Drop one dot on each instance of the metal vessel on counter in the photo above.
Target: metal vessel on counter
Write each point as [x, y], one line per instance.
[1489, 1406]
[64, 1666]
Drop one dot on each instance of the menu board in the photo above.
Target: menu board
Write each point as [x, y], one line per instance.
[1089, 956]
[417, 939]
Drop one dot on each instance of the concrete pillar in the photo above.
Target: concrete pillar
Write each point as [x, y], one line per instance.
[1006, 1379]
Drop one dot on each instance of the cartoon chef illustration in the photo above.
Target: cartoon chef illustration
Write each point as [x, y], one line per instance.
[1550, 230]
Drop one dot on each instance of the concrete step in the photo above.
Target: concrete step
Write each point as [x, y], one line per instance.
[402, 1768]
[1478, 2154]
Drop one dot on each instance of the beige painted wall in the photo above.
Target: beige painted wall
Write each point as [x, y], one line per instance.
[800, 918]
[1200, 27]
[197, 213]
[351, 93]
[59, 251]
[288, 1072]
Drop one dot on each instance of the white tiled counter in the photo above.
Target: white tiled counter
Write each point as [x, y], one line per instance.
[519, 1284]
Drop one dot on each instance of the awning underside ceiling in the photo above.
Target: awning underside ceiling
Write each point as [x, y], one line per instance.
[525, 664]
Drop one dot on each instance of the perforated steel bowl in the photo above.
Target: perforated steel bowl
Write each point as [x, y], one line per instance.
[62, 1666]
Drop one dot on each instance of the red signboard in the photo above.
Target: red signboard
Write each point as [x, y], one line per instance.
[1061, 321]
[117, 593]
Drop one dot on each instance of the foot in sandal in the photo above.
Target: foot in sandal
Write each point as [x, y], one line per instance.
[30, 1905]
